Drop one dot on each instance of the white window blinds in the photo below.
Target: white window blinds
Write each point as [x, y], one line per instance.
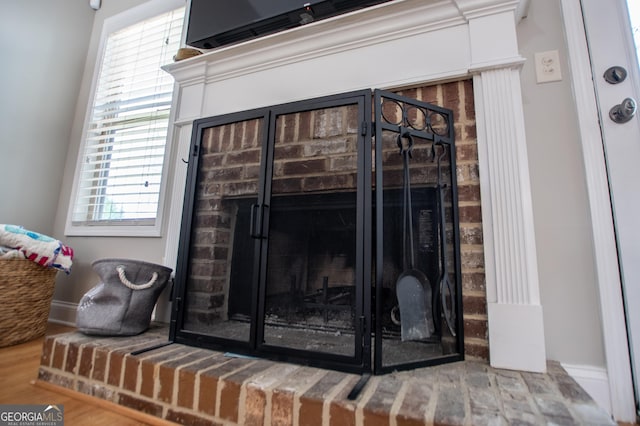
[124, 148]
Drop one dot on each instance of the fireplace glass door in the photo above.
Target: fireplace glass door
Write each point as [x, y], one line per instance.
[218, 265]
[272, 248]
[311, 285]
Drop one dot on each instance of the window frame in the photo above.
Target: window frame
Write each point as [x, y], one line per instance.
[112, 24]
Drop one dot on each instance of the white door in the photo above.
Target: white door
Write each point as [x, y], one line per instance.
[611, 43]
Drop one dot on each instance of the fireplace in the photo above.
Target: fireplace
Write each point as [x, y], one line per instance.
[324, 232]
[462, 55]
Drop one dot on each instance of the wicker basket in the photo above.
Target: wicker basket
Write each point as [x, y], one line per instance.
[26, 289]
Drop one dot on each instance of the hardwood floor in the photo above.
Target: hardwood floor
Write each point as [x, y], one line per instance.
[19, 370]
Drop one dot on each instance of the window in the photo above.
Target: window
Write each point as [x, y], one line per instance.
[119, 176]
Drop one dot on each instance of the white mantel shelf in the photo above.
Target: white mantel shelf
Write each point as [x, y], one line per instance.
[399, 44]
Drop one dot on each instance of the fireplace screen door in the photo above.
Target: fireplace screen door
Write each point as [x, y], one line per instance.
[293, 236]
[271, 249]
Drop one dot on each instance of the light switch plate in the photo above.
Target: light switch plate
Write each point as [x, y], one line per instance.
[548, 66]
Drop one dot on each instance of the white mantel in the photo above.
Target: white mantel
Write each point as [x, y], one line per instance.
[392, 45]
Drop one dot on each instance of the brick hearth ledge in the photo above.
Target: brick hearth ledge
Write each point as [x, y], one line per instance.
[195, 386]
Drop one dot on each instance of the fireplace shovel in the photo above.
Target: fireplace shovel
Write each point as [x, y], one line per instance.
[413, 289]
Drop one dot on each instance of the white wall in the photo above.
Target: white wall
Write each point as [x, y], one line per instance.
[70, 288]
[43, 44]
[573, 331]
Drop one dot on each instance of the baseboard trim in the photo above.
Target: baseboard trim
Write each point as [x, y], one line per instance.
[594, 380]
[63, 313]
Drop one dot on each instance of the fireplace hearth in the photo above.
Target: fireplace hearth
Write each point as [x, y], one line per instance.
[324, 232]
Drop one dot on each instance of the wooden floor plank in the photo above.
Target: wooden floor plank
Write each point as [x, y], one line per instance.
[18, 373]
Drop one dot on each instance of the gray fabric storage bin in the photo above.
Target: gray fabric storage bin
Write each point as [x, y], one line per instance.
[122, 303]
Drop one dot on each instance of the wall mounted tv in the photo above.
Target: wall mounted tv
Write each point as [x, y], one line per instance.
[214, 23]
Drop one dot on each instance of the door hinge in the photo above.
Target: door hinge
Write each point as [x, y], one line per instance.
[363, 128]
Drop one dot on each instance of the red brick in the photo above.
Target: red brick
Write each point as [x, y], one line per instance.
[472, 260]
[72, 357]
[140, 404]
[165, 379]
[468, 193]
[253, 134]
[328, 122]
[243, 157]
[430, 94]
[211, 161]
[227, 173]
[304, 167]
[59, 350]
[471, 235]
[470, 214]
[284, 186]
[376, 411]
[476, 349]
[187, 379]
[310, 413]
[86, 361]
[305, 125]
[311, 401]
[47, 352]
[450, 408]
[322, 183]
[467, 152]
[469, 105]
[474, 305]
[238, 135]
[229, 398]
[189, 419]
[115, 368]
[147, 380]
[281, 408]
[415, 403]
[131, 365]
[475, 328]
[451, 97]
[255, 404]
[345, 415]
[241, 188]
[100, 364]
[207, 396]
[473, 281]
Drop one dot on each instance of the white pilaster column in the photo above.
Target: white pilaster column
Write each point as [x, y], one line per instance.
[516, 330]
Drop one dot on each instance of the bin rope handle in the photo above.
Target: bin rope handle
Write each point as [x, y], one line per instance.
[132, 286]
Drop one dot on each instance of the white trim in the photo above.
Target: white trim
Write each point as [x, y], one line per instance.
[63, 313]
[606, 258]
[594, 380]
[516, 337]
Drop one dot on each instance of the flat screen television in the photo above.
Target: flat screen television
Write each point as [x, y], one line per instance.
[214, 23]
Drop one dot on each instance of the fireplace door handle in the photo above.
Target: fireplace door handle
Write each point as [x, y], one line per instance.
[255, 229]
[252, 222]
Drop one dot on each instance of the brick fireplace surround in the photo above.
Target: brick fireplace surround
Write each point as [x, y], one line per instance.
[193, 386]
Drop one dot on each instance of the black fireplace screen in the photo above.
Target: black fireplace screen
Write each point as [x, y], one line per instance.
[323, 232]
